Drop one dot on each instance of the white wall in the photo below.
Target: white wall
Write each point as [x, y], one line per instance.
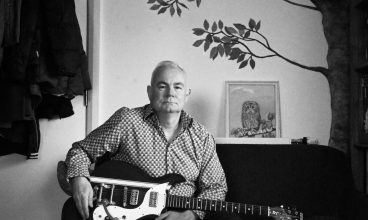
[134, 39]
[29, 188]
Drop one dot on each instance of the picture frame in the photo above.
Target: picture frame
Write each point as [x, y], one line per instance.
[253, 109]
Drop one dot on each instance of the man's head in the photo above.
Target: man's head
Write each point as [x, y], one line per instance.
[168, 91]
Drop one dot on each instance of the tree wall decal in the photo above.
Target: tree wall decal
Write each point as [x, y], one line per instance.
[232, 42]
[172, 6]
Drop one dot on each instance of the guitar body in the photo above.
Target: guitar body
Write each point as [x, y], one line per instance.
[124, 192]
[140, 197]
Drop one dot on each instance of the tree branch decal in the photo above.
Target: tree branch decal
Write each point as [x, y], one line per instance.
[301, 5]
[232, 42]
[161, 6]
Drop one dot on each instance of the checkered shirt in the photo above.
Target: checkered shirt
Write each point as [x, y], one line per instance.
[135, 136]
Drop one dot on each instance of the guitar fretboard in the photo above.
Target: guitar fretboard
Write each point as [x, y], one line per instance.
[174, 201]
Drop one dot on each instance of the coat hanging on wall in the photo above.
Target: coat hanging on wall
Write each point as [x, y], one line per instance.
[42, 67]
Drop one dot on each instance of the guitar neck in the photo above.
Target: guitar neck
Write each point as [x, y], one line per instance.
[174, 201]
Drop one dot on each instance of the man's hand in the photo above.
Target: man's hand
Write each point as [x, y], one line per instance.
[171, 215]
[82, 195]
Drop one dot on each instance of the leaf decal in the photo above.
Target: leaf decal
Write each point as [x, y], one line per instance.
[258, 26]
[162, 2]
[227, 49]
[240, 26]
[209, 38]
[183, 5]
[220, 24]
[162, 10]
[172, 10]
[230, 30]
[214, 27]
[198, 31]
[247, 34]
[216, 39]
[243, 64]
[198, 43]
[252, 63]
[240, 58]
[206, 25]
[213, 53]
[252, 24]
[155, 7]
[206, 46]
[178, 11]
[226, 39]
[221, 50]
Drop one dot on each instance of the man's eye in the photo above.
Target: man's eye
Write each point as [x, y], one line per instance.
[179, 87]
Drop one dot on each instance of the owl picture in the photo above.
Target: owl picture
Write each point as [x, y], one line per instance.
[251, 117]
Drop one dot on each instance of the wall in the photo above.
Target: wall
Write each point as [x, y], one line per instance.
[29, 188]
[131, 47]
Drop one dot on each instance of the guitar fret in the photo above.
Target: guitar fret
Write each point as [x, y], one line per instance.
[261, 210]
[118, 194]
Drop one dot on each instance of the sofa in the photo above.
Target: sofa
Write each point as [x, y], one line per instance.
[316, 180]
[313, 179]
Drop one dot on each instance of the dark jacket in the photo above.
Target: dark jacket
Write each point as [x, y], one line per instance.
[48, 59]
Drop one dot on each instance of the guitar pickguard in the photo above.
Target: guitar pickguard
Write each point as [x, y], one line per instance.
[152, 202]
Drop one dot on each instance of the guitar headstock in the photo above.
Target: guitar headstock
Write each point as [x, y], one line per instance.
[282, 213]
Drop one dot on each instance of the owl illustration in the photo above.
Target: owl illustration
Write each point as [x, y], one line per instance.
[251, 117]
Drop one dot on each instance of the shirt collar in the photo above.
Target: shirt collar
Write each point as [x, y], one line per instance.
[185, 119]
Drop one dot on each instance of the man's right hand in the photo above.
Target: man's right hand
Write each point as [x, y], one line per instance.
[82, 195]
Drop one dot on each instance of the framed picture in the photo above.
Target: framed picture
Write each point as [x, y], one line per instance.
[252, 109]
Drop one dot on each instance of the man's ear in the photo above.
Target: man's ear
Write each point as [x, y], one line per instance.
[187, 94]
[189, 91]
[149, 92]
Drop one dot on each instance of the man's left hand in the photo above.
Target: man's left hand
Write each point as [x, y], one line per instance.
[171, 215]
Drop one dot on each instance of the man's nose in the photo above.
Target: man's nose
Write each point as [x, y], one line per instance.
[171, 91]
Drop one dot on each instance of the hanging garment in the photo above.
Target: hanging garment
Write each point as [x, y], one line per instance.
[48, 61]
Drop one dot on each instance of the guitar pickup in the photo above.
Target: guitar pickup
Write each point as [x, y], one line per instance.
[134, 196]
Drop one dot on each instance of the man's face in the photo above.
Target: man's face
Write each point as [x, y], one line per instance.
[168, 91]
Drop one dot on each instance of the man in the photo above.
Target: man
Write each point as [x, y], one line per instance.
[160, 138]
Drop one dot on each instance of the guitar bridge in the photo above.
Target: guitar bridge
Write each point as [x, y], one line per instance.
[134, 197]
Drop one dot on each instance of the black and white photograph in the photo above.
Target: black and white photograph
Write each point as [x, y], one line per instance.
[184, 109]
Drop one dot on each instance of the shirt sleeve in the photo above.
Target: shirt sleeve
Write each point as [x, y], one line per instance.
[104, 138]
[212, 181]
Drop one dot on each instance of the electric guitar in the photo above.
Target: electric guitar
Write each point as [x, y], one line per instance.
[139, 196]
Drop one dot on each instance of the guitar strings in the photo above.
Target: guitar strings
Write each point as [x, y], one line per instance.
[119, 191]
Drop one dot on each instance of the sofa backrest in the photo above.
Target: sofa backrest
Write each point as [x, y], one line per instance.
[313, 178]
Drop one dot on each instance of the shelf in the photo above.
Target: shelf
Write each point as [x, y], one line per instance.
[362, 146]
[363, 69]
